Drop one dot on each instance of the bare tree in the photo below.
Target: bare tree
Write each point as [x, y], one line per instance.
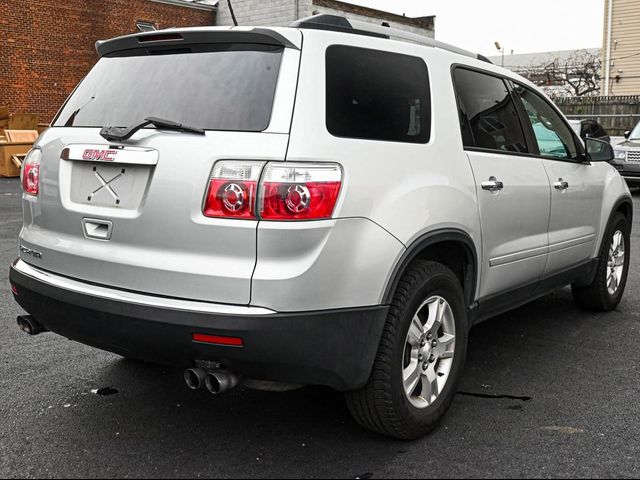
[576, 76]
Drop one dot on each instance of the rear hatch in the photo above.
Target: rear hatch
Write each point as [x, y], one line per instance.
[129, 213]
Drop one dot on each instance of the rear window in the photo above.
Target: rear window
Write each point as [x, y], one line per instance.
[488, 115]
[219, 87]
[377, 95]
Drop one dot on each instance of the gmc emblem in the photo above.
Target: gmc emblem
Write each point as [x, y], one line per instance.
[99, 155]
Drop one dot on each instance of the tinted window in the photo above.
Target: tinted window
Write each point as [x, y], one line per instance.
[488, 114]
[225, 88]
[635, 133]
[377, 95]
[555, 138]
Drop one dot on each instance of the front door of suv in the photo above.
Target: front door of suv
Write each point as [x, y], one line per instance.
[513, 189]
[576, 196]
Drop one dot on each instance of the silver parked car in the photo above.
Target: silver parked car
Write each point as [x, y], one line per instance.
[627, 157]
[320, 204]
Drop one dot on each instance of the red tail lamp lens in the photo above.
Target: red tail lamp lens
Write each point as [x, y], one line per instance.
[232, 190]
[230, 199]
[300, 191]
[30, 173]
[309, 201]
[217, 340]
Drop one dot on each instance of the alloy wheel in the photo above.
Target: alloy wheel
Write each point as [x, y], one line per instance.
[429, 352]
[615, 265]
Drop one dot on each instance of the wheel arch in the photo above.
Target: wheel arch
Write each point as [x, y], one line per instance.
[623, 205]
[435, 246]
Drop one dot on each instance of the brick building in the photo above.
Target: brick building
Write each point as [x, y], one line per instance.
[48, 46]
[284, 12]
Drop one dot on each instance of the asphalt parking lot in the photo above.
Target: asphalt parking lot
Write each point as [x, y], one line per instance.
[549, 391]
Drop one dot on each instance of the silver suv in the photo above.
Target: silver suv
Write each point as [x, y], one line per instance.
[320, 204]
[627, 157]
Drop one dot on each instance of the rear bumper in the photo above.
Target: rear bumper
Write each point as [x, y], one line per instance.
[335, 348]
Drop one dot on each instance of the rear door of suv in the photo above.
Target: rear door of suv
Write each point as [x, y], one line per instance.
[130, 214]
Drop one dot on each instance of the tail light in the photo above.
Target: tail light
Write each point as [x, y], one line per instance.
[232, 190]
[288, 191]
[30, 173]
[300, 191]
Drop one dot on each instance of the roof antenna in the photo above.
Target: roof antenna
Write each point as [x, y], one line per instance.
[233, 15]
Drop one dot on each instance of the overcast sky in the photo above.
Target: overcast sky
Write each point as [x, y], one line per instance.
[522, 25]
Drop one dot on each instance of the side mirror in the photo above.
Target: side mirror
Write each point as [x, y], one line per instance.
[627, 134]
[599, 151]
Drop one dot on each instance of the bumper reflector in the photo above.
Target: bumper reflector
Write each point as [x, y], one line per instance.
[216, 340]
[14, 289]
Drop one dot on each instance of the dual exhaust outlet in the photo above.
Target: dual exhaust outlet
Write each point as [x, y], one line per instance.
[216, 382]
[29, 325]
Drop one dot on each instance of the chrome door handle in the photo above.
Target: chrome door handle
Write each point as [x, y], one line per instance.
[492, 185]
[561, 185]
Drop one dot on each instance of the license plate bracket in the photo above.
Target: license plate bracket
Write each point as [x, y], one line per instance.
[109, 185]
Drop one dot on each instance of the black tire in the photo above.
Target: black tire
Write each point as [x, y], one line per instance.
[596, 296]
[382, 405]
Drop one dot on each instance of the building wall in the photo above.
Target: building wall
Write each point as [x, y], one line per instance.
[283, 12]
[421, 26]
[47, 46]
[625, 47]
[275, 13]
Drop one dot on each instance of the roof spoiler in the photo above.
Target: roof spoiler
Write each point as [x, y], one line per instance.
[179, 39]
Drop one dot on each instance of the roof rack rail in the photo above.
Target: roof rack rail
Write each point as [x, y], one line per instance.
[338, 23]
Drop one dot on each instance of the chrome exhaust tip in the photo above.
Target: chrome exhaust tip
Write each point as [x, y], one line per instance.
[221, 381]
[195, 378]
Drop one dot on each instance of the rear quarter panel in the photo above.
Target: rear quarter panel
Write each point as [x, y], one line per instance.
[407, 189]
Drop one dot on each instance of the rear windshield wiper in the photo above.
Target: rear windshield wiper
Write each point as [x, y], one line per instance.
[125, 133]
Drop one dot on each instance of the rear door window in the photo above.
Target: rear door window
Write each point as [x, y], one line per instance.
[377, 95]
[488, 115]
[213, 87]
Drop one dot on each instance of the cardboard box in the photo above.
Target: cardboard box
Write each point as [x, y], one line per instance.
[7, 151]
[21, 136]
[4, 117]
[23, 121]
